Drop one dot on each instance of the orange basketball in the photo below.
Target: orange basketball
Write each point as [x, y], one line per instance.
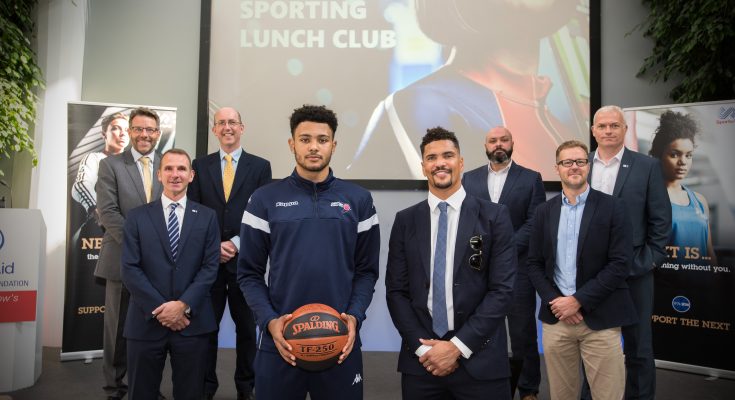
[317, 335]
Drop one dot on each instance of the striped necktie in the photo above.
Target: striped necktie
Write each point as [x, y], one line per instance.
[440, 323]
[173, 230]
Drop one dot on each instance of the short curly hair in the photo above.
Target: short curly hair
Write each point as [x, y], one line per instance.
[438, 133]
[312, 113]
[672, 126]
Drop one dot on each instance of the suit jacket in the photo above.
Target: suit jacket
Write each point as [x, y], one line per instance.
[481, 298]
[153, 277]
[119, 189]
[207, 189]
[641, 185]
[522, 193]
[603, 261]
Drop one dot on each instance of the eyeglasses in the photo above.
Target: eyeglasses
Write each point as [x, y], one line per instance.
[581, 162]
[140, 129]
[476, 259]
[230, 122]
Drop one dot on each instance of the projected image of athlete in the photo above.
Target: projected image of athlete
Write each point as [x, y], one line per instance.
[496, 73]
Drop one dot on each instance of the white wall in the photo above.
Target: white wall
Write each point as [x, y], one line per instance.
[146, 52]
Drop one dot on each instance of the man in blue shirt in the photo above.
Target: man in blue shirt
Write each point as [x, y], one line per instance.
[579, 256]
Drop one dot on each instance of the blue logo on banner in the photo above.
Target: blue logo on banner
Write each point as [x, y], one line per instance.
[726, 113]
[681, 304]
[2, 240]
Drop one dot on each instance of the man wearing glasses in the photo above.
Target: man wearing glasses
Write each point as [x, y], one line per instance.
[224, 181]
[579, 256]
[449, 283]
[124, 182]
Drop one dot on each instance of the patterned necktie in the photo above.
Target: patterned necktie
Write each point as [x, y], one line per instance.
[440, 323]
[228, 176]
[173, 230]
[146, 178]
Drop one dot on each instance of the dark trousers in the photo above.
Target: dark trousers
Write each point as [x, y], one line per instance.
[225, 290]
[640, 380]
[458, 385]
[525, 363]
[114, 353]
[278, 380]
[146, 359]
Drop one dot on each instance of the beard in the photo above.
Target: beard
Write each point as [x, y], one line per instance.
[499, 156]
[444, 185]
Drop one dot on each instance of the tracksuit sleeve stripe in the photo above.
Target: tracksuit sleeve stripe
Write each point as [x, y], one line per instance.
[365, 225]
[255, 222]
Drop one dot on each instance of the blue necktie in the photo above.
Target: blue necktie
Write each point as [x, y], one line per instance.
[440, 323]
[173, 230]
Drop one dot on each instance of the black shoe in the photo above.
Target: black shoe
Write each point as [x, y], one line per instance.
[245, 396]
[208, 396]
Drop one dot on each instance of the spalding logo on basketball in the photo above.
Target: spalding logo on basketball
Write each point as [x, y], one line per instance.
[317, 335]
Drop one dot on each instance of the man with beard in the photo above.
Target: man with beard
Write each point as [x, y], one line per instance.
[320, 238]
[124, 182]
[578, 258]
[521, 190]
[449, 283]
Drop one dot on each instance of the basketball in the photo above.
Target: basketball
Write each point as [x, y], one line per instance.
[317, 335]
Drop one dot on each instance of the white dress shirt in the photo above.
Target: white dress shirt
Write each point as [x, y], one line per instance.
[137, 156]
[604, 173]
[496, 181]
[166, 202]
[455, 205]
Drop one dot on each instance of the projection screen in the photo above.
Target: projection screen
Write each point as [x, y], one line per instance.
[393, 68]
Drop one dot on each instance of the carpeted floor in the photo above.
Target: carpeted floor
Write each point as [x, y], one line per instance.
[79, 381]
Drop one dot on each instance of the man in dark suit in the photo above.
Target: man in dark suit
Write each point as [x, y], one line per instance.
[169, 262]
[521, 190]
[449, 283]
[637, 179]
[124, 182]
[579, 256]
[224, 181]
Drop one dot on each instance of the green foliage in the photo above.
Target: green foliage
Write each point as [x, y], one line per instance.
[693, 41]
[19, 77]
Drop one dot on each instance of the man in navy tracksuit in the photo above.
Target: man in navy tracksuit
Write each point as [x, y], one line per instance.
[320, 236]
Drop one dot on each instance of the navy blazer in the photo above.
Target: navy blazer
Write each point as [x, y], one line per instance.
[522, 193]
[481, 298]
[251, 173]
[641, 185]
[603, 261]
[153, 278]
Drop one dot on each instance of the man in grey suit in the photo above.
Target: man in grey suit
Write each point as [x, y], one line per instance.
[637, 179]
[521, 190]
[124, 182]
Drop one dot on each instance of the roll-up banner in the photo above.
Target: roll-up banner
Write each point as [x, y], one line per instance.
[95, 131]
[694, 293]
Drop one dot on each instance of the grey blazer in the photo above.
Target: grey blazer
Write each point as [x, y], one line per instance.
[119, 189]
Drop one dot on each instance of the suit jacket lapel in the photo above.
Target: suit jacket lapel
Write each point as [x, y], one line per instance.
[589, 211]
[155, 211]
[422, 224]
[510, 181]
[134, 172]
[553, 223]
[467, 218]
[626, 164]
[215, 173]
[242, 170]
[157, 186]
[190, 215]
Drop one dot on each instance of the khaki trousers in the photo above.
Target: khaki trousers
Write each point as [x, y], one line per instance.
[601, 352]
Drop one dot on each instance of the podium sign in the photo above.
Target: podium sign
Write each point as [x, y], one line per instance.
[22, 264]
